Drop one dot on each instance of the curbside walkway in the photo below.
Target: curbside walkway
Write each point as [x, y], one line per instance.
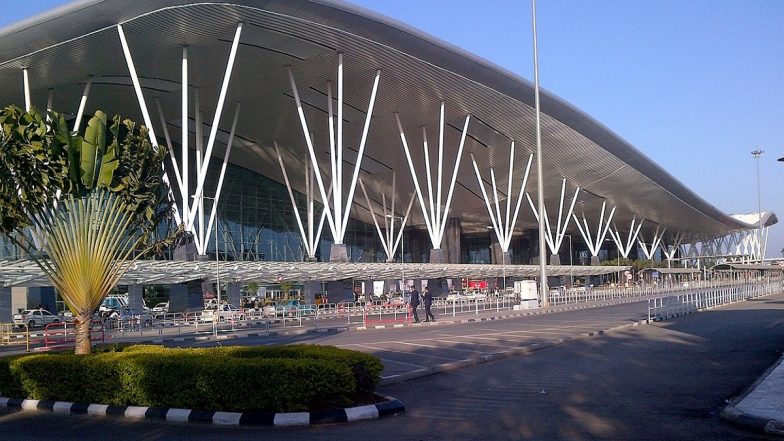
[392, 406]
[761, 407]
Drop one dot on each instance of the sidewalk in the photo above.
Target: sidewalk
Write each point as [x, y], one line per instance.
[761, 407]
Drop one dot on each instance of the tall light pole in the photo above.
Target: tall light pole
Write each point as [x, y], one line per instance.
[217, 257]
[539, 181]
[757, 153]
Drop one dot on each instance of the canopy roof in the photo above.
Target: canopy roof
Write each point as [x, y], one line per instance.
[158, 272]
[62, 48]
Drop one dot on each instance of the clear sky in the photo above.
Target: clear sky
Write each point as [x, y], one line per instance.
[696, 85]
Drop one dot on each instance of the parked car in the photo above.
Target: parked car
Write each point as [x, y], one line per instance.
[112, 303]
[35, 317]
[223, 313]
[161, 307]
[128, 315]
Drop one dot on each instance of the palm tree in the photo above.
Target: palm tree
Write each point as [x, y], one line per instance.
[92, 212]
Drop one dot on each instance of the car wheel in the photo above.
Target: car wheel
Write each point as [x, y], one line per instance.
[222, 319]
[31, 324]
[147, 323]
[242, 317]
[56, 321]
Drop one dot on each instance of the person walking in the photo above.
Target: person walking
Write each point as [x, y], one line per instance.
[414, 304]
[428, 298]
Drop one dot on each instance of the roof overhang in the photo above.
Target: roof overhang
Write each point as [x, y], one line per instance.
[158, 272]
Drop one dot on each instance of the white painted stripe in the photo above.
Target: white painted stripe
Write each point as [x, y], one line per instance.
[30, 404]
[178, 415]
[135, 411]
[404, 352]
[97, 409]
[292, 419]
[226, 418]
[362, 413]
[62, 407]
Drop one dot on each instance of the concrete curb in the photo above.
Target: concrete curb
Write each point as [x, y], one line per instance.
[737, 417]
[392, 406]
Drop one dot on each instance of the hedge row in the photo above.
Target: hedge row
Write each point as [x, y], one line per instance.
[275, 379]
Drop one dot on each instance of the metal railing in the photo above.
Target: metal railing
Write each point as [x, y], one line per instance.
[663, 308]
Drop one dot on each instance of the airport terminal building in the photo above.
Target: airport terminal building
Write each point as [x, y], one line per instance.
[313, 140]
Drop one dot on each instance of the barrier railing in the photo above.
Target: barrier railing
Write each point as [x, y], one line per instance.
[63, 334]
[11, 334]
[663, 308]
[386, 314]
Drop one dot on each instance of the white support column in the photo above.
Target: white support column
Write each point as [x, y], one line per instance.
[185, 129]
[26, 85]
[83, 104]
[169, 145]
[215, 200]
[669, 250]
[595, 243]
[503, 225]
[218, 112]
[657, 237]
[436, 217]
[313, 159]
[145, 113]
[338, 214]
[626, 248]
[49, 99]
[554, 242]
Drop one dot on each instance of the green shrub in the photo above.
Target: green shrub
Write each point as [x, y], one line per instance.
[276, 379]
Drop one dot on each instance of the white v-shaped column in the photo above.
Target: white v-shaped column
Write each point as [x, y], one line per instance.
[657, 237]
[338, 213]
[503, 225]
[625, 247]
[311, 235]
[554, 240]
[595, 243]
[390, 238]
[434, 213]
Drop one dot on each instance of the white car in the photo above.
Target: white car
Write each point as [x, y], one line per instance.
[35, 317]
[161, 307]
[223, 312]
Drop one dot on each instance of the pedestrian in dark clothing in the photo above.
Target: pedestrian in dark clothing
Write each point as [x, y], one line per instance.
[414, 304]
[428, 298]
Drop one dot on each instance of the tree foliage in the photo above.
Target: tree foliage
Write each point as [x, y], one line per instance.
[92, 201]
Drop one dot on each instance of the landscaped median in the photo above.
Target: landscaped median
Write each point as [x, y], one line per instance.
[270, 379]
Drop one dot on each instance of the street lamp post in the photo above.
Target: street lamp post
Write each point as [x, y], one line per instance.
[757, 153]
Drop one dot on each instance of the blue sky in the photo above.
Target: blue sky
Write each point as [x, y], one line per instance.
[693, 84]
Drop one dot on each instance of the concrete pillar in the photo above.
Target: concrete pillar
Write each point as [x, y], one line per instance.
[453, 232]
[186, 297]
[309, 291]
[6, 312]
[338, 253]
[338, 290]
[436, 256]
[136, 297]
[18, 299]
[595, 261]
[234, 293]
[555, 259]
[44, 296]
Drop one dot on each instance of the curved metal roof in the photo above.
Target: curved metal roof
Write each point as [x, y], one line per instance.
[62, 48]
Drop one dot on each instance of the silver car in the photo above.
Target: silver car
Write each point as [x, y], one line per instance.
[35, 317]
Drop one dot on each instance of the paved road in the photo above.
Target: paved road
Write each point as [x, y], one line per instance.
[662, 381]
